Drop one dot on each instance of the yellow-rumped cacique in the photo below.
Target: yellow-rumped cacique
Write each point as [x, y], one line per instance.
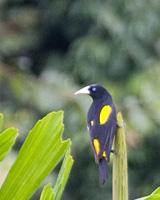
[102, 124]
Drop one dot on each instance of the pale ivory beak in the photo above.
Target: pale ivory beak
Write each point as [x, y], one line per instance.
[84, 90]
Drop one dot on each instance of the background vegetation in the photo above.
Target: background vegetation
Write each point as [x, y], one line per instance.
[49, 49]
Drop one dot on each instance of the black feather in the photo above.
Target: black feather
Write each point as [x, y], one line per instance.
[103, 171]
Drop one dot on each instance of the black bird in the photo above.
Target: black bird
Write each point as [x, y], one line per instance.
[102, 124]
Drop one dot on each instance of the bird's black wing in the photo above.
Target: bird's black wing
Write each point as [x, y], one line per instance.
[102, 128]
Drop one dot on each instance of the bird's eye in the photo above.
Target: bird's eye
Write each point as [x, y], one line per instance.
[94, 89]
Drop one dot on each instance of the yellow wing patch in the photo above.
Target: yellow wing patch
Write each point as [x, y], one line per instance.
[92, 123]
[104, 114]
[104, 155]
[96, 145]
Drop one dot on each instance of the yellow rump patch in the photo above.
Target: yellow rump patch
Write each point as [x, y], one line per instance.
[92, 123]
[104, 155]
[104, 114]
[96, 145]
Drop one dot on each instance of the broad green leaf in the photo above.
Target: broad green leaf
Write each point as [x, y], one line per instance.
[7, 139]
[40, 153]
[154, 196]
[63, 176]
[47, 193]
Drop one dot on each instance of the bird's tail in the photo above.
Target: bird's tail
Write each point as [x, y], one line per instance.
[103, 170]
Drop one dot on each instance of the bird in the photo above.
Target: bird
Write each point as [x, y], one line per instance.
[102, 125]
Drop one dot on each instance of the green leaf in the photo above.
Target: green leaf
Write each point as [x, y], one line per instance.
[63, 176]
[47, 193]
[154, 196]
[40, 153]
[7, 139]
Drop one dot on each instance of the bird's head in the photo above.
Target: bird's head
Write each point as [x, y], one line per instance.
[95, 91]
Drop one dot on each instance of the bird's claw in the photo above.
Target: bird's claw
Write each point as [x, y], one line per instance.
[115, 153]
[119, 125]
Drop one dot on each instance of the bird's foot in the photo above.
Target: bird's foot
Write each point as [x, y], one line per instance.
[115, 153]
[119, 125]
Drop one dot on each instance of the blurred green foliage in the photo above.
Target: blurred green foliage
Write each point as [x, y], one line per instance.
[49, 49]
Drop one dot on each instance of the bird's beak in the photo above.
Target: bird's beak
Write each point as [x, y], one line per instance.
[84, 90]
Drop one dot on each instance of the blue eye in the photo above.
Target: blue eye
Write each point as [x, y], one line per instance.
[94, 89]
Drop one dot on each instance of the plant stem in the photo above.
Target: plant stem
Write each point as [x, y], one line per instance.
[120, 169]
